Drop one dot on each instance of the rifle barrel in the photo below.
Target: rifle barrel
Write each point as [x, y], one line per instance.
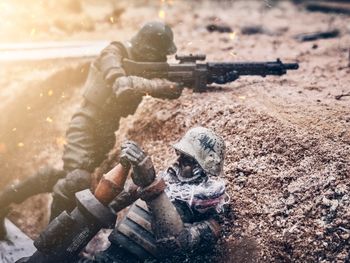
[291, 65]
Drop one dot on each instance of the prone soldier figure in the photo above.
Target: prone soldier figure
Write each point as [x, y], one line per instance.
[109, 95]
[174, 213]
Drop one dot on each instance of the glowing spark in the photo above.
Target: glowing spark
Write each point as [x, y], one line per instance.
[48, 119]
[32, 32]
[13, 186]
[20, 144]
[3, 148]
[29, 108]
[63, 96]
[233, 54]
[242, 97]
[14, 129]
[111, 19]
[50, 92]
[4, 6]
[41, 94]
[161, 14]
[189, 43]
[60, 141]
[233, 35]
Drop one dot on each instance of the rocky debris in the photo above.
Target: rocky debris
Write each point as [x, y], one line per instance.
[329, 7]
[288, 187]
[317, 35]
[338, 97]
[252, 30]
[219, 28]
[258, 29]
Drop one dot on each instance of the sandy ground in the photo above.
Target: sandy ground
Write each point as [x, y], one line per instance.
[287, 138]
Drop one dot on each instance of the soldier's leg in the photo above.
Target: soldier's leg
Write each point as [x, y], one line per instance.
[64, 190]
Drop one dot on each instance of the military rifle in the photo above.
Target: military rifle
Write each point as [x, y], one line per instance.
[199, 75]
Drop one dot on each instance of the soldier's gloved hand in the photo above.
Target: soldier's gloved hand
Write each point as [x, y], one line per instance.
[165, 89]
[228, 77]
[143, 170]
[131, 153]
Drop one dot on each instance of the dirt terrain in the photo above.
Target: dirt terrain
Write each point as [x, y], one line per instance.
[287, 138]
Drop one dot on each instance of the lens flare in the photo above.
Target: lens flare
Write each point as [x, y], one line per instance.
[32, 32]
[60, 141]
[3, 148]
[161, 14]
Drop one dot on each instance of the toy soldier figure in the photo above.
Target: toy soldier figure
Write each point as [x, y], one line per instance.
[110, 95]
[175, 213]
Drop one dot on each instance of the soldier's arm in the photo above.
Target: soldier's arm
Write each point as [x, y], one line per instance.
[125, 87]
[110, 62]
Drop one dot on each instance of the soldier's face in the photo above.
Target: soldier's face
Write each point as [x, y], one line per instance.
[148, 54]
[188, 165]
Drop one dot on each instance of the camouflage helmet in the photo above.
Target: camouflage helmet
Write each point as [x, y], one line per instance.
[153, 42]
[206, 147]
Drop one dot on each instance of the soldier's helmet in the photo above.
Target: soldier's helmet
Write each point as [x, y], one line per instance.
[206, 147]
[153, 42]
